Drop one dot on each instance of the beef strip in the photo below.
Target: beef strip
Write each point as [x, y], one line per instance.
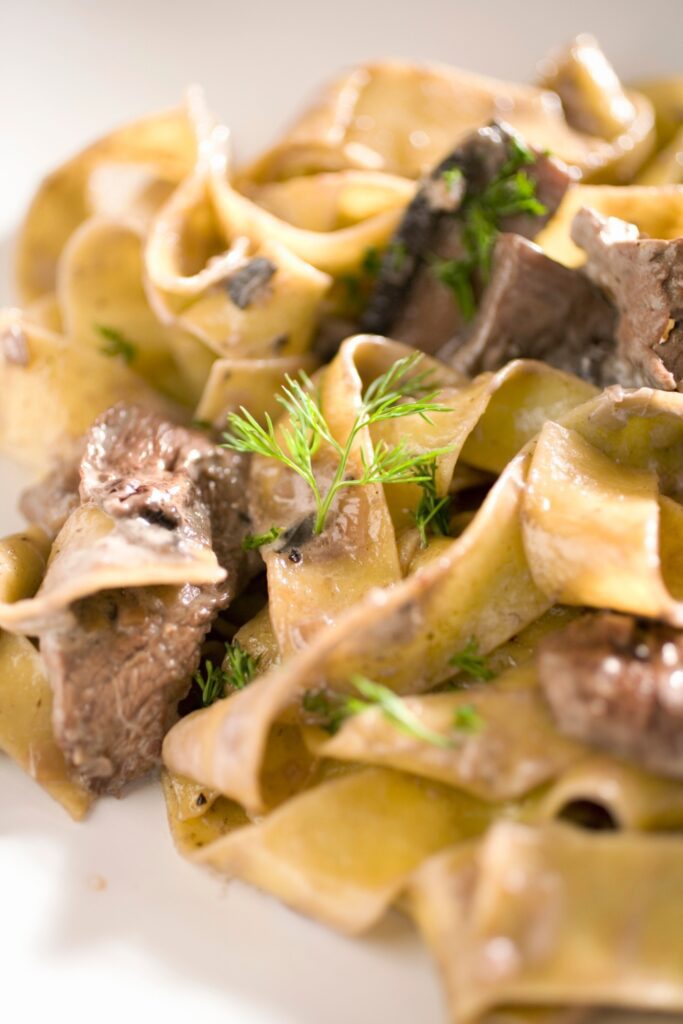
[118, 671]
[616, 683]
[120, 661]
[644, 277]
[408, 301]
[535, 308]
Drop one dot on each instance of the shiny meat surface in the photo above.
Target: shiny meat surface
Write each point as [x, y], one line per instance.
[616, 683]
[535, 308]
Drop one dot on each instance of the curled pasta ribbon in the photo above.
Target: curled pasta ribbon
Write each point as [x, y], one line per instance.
[657, 211]
[25, 693]
[328, 220]
[151, 155]
[53, 390]
[100, 287]
[95, 552]
[252, 383]
[579, 555]
[533, 916]
[191, 257]
[359, 538]
[348, 848]
[350, 126]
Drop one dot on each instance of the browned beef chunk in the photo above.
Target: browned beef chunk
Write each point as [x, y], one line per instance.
[616, 683]
[409, 302]
[644, 277]
[50, 502]
[120, 661]
[118, 671]
[535, 308]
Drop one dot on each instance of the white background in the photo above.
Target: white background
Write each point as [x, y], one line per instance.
[163, 939]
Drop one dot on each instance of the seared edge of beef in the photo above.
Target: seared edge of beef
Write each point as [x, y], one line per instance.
[535, 308]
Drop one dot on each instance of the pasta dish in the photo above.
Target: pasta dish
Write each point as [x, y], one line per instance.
[358, 513]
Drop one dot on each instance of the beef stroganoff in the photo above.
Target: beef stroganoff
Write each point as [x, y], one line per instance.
[358, 512]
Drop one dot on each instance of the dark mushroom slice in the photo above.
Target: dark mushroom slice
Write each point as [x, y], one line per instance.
[409, 301]
[644, 278]
[535, 308]
[245, 285]
[120, 660]
[615, 682]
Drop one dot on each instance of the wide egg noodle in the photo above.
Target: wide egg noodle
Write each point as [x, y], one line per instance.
[26, 724]
[581, 556]
[656, 210]
[25, 694]
[165, 144]
[344, 850]
[403, 118]
[555, 915]
[95, 552]
[516, 747]
[361, 211]
[314, 579]
[189, 256]
[250, 383]
[52, 391]
[100, 288]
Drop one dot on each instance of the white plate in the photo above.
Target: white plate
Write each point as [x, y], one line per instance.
[163, 938]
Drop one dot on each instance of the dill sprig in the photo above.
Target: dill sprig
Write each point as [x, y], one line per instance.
[253, 541]
[432, 513]
[399, 392]
[469, 660]
[468, 719]
[511, 192]
[331, 711]
[116, 343]
[238, 669]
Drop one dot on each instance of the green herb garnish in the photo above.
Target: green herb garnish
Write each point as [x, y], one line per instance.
[452, 177]
[332, 711]
[238, 670]
[372, 261]
[116, 344]
[511, 192]
[398, 254]
[432, 513]
[468, 719]
[395, 394]
[470, 661]
[253, 541]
